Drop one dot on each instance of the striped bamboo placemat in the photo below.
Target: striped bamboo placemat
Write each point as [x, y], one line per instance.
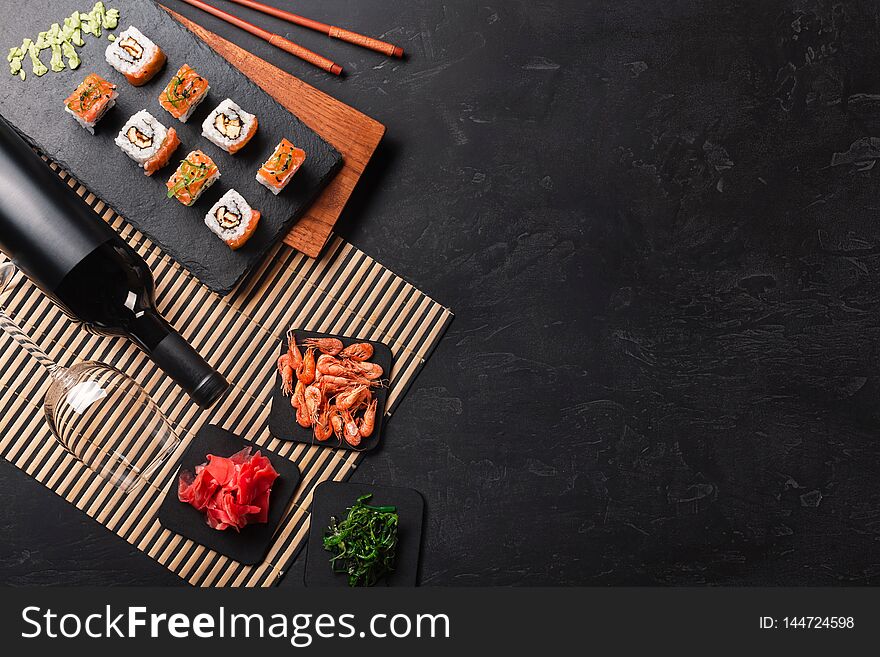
[345, 291]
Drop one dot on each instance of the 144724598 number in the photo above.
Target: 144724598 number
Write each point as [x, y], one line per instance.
[818, 622]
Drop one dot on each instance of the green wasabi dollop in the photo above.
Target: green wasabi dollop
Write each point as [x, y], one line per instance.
[63, 39]
[39, 68]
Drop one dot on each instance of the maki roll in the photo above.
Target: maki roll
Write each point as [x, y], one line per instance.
[229, 127]
[135, 56]
[147, 142]
[232, 219]
[280, 167]
[91, 101]
[193, 177]
[186, 90]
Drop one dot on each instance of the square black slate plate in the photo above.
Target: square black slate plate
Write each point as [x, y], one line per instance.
[35, 108]
[251, 544]
[332, 498]
[282, 416]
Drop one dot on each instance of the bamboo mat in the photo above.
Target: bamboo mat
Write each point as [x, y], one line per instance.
[345, 291]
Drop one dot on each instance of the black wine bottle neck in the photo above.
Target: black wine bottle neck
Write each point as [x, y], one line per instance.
[148, 328]
[111, 290]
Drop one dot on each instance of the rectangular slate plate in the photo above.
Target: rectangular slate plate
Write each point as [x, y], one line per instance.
[332, 499]
[35, 108]
[282, 416]
[251, 544]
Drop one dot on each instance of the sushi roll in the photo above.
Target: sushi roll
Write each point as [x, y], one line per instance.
[147, 142]
[135, 56]
[91, 101]
[193, 177]
[186, 90]
[232, 219]
[280, 167]
[229, 127]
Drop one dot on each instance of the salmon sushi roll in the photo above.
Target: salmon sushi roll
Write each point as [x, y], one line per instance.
[193, 177]
[229, 127]
[91, 101]
[147, 142]
[232, 219]
[184, 93]
[135, 56]
[280, 167]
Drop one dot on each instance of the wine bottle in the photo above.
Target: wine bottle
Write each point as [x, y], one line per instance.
[86, 268]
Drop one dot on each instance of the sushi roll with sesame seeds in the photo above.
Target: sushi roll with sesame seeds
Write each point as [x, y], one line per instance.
[135, 56]
[232, 219]
[147, 142]
[278, 170]
[193, 177]
[184, 93]
[229, 127]
[91, 101]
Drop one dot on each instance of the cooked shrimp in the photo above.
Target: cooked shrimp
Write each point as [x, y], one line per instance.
[351, 433]
[368, 421]
[286, 371]
[323, 428]
[293, 350]
[336, 421]
[331, 346]
[302, 418]
[359, 351]
[352, 399]
[371, 371]
[334, 384]
[306, 370]
[298, 399]
[330, 365]
[314, 399]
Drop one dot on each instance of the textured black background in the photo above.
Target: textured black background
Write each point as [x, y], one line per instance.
[662, 369]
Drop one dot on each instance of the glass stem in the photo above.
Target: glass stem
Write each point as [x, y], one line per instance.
[24, 340]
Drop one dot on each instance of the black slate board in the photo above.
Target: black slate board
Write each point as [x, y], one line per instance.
[250, 545]
[282, 416]
[35, 108]
[332, 499]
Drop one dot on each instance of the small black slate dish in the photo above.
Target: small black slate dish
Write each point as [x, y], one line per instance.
[251, 544]
[282, 416]
[333, 498]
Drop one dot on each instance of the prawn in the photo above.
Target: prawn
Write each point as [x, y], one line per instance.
[330, 365]
[370, 371]
[335, 383]
[351, 433]
[285, 370]
[293, 351]
[359, 351]
[306, 370]
[314, 398]
[302, 418]
[351, 399]
[367, 423]
[336, 421]
[330, 346]
[323, 428]
[297, 400]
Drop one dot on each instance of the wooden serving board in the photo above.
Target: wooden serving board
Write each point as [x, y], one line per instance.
[352, 133]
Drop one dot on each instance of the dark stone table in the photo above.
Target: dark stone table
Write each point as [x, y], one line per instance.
[657, 223]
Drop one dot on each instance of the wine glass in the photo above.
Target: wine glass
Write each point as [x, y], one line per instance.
[99, 414]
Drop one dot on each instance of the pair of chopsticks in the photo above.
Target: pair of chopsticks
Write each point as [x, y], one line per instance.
[295, 49]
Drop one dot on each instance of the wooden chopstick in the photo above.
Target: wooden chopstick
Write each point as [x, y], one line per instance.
[276, 40]
[330, 30]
